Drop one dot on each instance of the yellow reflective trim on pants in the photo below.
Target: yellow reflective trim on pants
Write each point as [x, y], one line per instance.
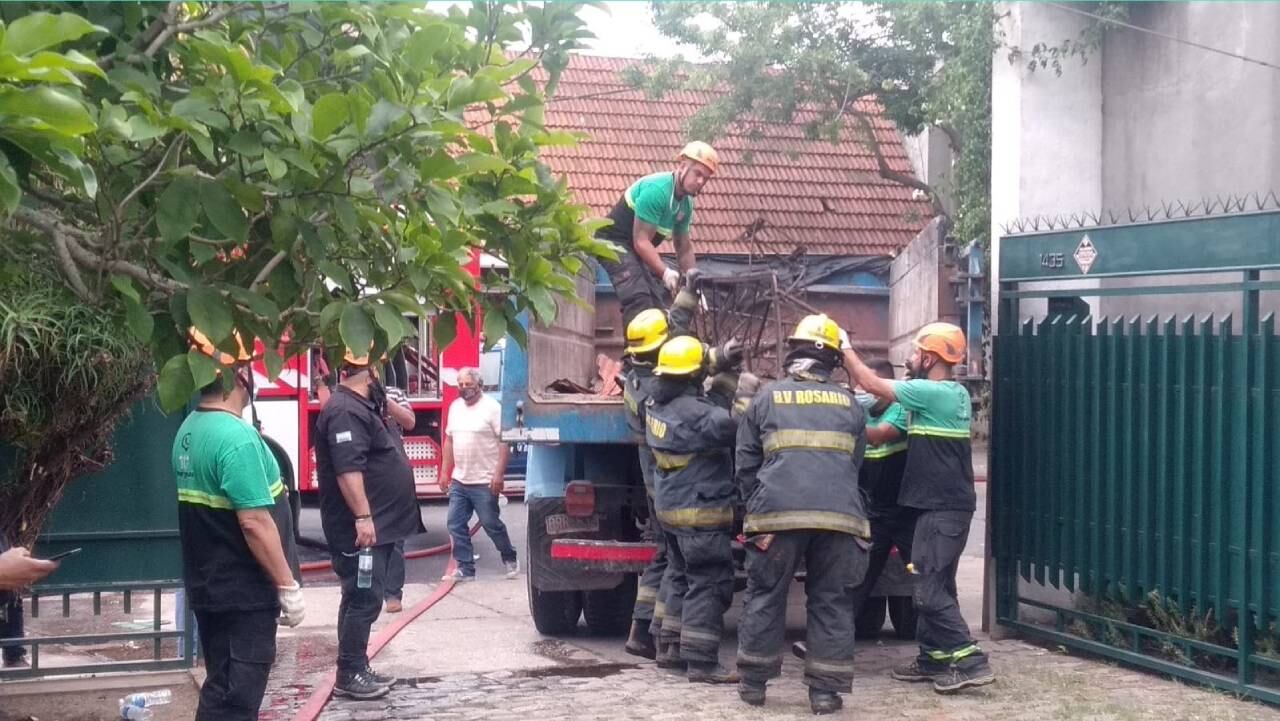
[795, 438]
[659, 611]
[806, 520]
[840, 667]
[200, 498]
[758, 660]
[939, 655]
[956, 433]
[697, 635]
[966, 651]
[877, 452]
[645, 594]
[672, 461]
[671, 623]
[696, 517]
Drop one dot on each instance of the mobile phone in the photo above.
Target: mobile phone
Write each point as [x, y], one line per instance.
[64, 554]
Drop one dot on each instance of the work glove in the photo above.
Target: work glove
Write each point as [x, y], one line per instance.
[724, 385]
[844, 340]
[726, 356]
[292, 607]
[748, 386]
[686, 301]
[692, 278]
[671, 279]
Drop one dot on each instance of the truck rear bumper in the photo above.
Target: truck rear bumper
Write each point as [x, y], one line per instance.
[585, 555]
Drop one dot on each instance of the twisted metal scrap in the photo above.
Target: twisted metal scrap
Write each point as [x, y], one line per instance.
[1179, 210]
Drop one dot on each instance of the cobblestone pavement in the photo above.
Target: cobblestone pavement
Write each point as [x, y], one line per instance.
[1034, 683]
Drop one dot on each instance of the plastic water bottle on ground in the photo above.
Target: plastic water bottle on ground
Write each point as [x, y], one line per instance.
[137, 706]
[364, 568]
[136, 713]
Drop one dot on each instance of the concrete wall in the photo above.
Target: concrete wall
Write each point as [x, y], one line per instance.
[919, 290]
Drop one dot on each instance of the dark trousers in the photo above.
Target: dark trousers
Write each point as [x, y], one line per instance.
[463, 501]
[698, 587]
[395, 573]
[638, 289]
[941, 631]
[648, 605]
[888, 530]
[11, 626]
[359, 607]
[834, 563]
[239, 648]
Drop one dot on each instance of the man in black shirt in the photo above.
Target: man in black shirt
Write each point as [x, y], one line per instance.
[366, 502]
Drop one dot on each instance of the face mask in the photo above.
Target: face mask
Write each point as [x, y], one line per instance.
[469, 394]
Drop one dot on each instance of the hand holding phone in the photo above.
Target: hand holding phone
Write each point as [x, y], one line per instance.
[64, 554]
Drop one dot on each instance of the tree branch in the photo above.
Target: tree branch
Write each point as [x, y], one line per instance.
[267, 269]
[123, 267]
[882, 165]
[176, 146]
[212, 18]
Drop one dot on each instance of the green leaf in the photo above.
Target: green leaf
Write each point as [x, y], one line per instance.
[138, 319]
[356, 329]
[275, 166]
[330, 113]
[482, 163]
[383, 116]
[294, 157]
[255, 302]
[445, 329]
[177, 210]
[495, 327]
[204, 370]
[10, 192]
[438, 166]
[329, 315]
[77, 171]
[293, 92]
[403, 303]
[274, 364]
[209, 313]
[52, 107]
[175, 384]
[442, 204]
[221, 208]
[543, 304]
[41, 30]
[391, 323]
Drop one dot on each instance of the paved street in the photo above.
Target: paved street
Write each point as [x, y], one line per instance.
[476, 655]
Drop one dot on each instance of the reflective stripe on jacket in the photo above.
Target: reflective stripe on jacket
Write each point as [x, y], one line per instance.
[692, 439]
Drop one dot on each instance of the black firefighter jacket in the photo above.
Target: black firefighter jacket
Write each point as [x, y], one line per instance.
[799, 449]
[691, 436]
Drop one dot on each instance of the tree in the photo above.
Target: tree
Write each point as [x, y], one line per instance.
[291, 173]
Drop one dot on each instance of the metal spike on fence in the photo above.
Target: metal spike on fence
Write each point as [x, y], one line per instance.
[1220, 204]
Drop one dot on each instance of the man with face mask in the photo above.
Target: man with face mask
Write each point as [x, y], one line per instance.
[366, 502]
[472, 472]
[938, 484]
[238, 557]
[652, 209]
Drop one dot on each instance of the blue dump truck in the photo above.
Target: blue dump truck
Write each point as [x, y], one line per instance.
[583, 489]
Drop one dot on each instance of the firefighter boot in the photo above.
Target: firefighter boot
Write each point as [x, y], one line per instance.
[668, 656]
[751, 693]
[711, 673]
[824, 702]
[640, 642]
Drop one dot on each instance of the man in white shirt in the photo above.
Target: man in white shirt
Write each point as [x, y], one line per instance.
[475, 462]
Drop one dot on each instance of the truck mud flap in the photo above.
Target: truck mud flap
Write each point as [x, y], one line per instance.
[548, 522]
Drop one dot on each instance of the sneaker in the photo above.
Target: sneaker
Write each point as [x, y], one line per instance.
[711, 673]
[359, 686]
[394, 605]
[458, 576]
[958, 678]
[379, 677]
[640, 642]
[824, 702]
[751, 693]
[916, 672]
[513, 568]
[799, 650]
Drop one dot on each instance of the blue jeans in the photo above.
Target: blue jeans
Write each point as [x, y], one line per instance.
[463, 501]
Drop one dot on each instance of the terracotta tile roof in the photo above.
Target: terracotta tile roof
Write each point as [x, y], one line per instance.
[825, 196]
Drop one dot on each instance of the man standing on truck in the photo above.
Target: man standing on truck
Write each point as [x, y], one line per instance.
[691, 436]
[367, 504]
[938, 485]
[654, 208]
[800, 446]
[237, 537]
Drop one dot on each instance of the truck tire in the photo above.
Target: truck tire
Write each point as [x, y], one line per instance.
[555, 613]
[870, 618]
[902, 611]
[608, 612]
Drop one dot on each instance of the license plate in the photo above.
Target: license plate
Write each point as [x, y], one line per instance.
[560, 523]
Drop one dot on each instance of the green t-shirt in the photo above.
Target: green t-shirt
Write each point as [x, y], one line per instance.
[221, 462]
[895, 416]
[653, 200]
[939, 472]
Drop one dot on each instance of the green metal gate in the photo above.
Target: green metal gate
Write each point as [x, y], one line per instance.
[125, 519]
[1135, 458]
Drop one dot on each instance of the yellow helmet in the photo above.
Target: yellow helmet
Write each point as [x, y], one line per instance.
[945, 339]
[680, 356]
[202, 343]
[703, 154]
[817, 329]
[647, 331]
